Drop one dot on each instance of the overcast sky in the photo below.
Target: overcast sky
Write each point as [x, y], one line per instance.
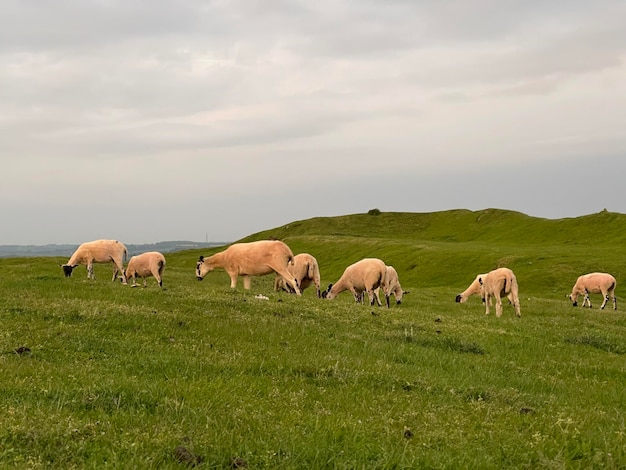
[158, 120]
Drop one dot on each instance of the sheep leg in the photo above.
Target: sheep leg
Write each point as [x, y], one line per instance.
[289, 279]
[606, 299]
[373, 297]
[487, 302]
[498, 305]
[118, 267]
[247, 280]
[233, 280]
[614, 302]
[515, 302]
[90, 274]
[158, 276]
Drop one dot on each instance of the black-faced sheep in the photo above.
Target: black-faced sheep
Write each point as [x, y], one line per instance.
[98, 251]
[363, 276]
[145, 265]
[305, 270]
[250, 259]
[594, 283]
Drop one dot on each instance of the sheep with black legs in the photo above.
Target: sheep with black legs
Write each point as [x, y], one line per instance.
[594, 283]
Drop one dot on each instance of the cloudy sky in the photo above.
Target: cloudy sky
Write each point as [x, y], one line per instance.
[184, 120]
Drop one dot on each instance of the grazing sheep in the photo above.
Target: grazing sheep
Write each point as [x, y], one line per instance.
[475, 289]
[594, 283]
[98, 251]
[366, 275]
[251, 259]
[497, 283]
[305, 270]
[145, 265]
[392, 286]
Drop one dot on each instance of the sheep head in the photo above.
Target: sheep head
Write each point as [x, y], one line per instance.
[67, 269]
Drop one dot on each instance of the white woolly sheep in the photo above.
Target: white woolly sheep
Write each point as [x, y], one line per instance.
[497, 283]
[145, 265]
[475, 289]
[305, 270]
[392, 286]
[594, 283]
[250, 259]
[98, 251]
[363, 276]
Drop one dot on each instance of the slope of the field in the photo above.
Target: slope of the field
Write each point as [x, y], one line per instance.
[99, 375]
[449, 247]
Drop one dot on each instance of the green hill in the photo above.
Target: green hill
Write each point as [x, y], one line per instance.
[449, 247]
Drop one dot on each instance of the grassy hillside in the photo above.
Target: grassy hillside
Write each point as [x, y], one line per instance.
[100, 375]
[450, 247]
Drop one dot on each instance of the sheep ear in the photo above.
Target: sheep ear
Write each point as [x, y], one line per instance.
[330, 286]
[480, 281]
[201, 259]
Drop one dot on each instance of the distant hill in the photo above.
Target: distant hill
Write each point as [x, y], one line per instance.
[489, 225]
[27, 251]
[451, 247]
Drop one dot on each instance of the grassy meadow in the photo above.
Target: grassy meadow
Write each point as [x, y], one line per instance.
[96, 374]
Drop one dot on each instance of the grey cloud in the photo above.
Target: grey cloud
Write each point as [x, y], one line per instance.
[260, 94]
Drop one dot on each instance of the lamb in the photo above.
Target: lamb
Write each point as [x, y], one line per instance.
[98, 251]
[366, 275]
[594, 283]
[305, 270]
[251, 259]
[497, 283]
[151, 263]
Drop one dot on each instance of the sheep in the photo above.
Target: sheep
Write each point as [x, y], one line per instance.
[365, 275]
[594, 283]
[250, 259]
[475, 289]
[98, 251]
[151, 263]
[497, 283]
[306, 271]
[392, 286]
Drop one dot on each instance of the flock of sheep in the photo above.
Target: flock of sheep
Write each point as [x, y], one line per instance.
[296, 273]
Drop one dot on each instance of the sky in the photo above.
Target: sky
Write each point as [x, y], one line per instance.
[149, 121]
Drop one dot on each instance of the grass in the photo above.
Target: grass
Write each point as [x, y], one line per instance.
[199, 374]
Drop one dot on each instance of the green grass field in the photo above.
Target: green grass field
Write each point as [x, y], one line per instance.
[96, 374]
